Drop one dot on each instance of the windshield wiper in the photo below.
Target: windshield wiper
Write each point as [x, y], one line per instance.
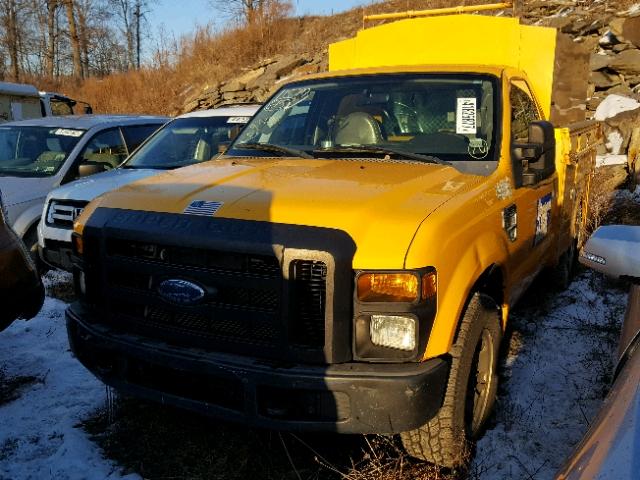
[270, 147]
[380, 149]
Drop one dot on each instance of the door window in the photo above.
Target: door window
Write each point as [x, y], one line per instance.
[136, 134]
[523, 111]
[106, 147]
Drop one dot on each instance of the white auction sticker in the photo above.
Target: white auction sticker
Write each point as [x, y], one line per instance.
[466, 116]
[238, 119]
[67, 132]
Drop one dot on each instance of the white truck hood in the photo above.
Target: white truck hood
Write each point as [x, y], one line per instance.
[17, 190]
[86, 189]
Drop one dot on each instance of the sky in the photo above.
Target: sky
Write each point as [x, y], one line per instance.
[181, 17]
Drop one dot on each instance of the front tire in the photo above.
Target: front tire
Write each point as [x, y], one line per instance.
[471, 390]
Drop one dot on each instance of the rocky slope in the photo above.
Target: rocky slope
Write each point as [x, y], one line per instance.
[610, 30]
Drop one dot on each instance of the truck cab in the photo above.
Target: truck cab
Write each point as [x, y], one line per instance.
[349, 264]
[54, 104]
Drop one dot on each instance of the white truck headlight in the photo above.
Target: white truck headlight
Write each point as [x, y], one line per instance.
[393, 331]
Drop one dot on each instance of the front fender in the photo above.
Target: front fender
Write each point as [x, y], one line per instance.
[459, 267]
[28, 217]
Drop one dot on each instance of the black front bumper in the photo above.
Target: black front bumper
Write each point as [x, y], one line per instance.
[57, 255]
[345, 398]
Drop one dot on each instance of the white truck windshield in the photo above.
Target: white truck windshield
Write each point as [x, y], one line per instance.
[450, 117]
[35, 151]
[186, 141]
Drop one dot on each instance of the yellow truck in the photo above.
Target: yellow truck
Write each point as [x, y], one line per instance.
[349, 264]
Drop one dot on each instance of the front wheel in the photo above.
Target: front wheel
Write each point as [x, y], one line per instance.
[471, 390]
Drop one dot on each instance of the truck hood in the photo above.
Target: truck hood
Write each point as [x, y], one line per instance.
[17, 190]
[91, 187]
[380, 204]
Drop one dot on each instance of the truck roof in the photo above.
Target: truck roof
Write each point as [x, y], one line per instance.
[229, 111]
[87, 121]
[399, 69]
[20, 89]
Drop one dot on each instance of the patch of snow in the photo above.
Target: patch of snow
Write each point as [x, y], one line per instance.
[40, 436]
[613, 105]
[625, 194]
[614, 142]
[608, 38]
[602, 160]
[555, 383]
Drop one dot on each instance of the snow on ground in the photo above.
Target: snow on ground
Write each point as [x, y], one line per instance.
[39, 433]
[555, 377]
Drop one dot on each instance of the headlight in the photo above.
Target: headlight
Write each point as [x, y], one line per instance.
[396, 287]
[393, 331]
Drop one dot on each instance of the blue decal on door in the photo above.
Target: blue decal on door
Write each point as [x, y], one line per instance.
[543, 218]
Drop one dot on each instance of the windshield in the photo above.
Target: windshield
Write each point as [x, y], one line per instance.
[35, 151]
[451, 117]
[61, 107]
[186, 141]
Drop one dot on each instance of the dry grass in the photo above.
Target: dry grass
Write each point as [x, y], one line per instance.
[170, 443]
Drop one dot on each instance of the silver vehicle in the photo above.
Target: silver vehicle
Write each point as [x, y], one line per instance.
[188, 139]
[610, 449]
[39, 155]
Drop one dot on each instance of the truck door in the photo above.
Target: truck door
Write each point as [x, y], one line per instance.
[534, 204]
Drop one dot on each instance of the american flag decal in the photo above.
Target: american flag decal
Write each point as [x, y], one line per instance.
[200, 207]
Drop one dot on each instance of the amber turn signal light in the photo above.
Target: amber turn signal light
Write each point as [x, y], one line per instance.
[78, 244]
[429, 285]
[388, 287]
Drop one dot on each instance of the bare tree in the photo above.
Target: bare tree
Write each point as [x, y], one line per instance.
[52, 8]
[250, 11]
[11, 36]
[75, 40]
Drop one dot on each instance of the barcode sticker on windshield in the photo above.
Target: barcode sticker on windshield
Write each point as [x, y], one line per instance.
[66, 132]
[238, 119]
[466, 116]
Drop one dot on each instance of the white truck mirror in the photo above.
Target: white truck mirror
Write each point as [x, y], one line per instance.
[614, 250]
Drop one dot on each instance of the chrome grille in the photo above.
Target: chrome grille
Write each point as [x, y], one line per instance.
[62, 213]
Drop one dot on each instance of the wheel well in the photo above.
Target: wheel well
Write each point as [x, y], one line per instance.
[490, 285]
[33, 228]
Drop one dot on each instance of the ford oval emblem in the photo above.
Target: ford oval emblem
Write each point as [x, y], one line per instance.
[180, 292]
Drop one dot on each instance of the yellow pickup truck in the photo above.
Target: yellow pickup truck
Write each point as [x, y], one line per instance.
[350, 263]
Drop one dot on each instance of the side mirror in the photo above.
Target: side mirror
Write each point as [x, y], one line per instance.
[614, 250]
[535, 160]
[87, 169]
[88, 110]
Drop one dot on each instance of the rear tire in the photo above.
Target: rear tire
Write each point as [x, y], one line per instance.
[471, 390]
[563, 273]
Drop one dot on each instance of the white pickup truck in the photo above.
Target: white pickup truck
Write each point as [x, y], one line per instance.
[39, 155]
[188, 139]
[21, 101]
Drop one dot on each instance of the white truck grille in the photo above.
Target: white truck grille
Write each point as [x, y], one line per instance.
[62, 214]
